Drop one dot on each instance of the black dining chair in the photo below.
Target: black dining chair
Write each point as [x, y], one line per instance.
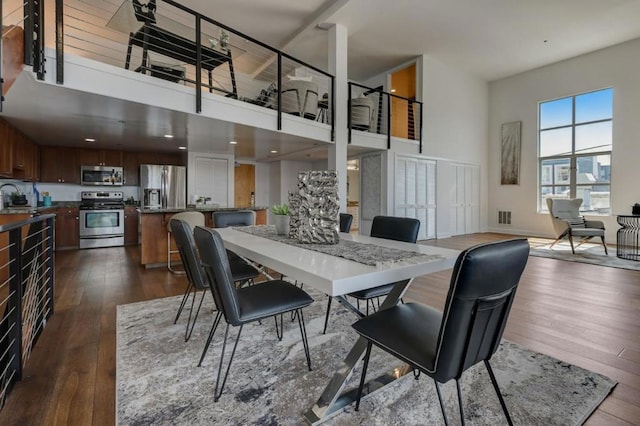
[346, 219]
[240, 306]
[391, 228]
[443, 345]
[196, 279]
[239, 267]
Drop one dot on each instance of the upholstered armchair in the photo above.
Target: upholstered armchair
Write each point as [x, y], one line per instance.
[567, 222]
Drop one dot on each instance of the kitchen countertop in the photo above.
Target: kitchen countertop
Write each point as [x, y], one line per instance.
[200, 209]
[40, 209]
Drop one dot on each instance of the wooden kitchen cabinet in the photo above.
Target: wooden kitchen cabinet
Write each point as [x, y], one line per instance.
[131, 218]
[67, 228]
[167, 158]
[170, 159]
[100, 157]
[131, 168]
[6, 150]
[59, 165]
[19, 148]
[25, 164]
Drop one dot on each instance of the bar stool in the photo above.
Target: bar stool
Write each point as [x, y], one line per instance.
[193, 219]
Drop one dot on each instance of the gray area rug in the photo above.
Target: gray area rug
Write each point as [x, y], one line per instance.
[586, 253]
[159, 383]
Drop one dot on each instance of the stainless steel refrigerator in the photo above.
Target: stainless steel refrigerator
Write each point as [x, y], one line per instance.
[163, 187]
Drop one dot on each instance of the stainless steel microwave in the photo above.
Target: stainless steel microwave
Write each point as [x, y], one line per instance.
[101, 175]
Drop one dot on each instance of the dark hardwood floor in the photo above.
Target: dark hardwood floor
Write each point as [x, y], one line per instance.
[583, 314]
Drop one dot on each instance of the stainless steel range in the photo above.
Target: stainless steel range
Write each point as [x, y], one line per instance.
[101, 219]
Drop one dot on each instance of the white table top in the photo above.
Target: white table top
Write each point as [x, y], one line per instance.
[330, 274]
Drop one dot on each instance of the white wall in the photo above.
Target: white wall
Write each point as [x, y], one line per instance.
[516, 99]
[455, 129]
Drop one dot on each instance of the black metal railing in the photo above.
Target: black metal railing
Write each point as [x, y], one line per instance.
[174, 43]
[27, 284]
[376, 111]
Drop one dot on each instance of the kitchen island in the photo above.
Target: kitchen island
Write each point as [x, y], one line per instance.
[153, 231]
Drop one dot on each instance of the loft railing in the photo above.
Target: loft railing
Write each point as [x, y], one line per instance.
[26, 293]
[174, 43]
[376, 111]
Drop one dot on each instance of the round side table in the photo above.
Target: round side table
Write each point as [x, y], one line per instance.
[628, 237]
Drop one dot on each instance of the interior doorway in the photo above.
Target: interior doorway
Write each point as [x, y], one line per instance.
[403, 119]
[353, 192]
[244, 184]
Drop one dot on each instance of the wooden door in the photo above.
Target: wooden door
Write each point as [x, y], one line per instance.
[403, 83]
[244, 184]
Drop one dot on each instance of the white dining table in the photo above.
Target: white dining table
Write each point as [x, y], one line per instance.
[337, 276]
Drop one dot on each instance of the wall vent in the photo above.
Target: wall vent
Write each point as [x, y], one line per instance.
[504, 217]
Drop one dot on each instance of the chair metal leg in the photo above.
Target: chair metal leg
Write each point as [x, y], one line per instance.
[367, 355]
[214, 326]
[497, 389]
[217, 394]
[279, 329]
[460, 402]
[444, 413]
[188, 331]
[326, 317]
[185, 297]
[303, 332]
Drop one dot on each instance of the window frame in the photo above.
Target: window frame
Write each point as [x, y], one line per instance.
[573, 157]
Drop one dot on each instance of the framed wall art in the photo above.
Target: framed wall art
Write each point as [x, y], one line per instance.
[510, 154]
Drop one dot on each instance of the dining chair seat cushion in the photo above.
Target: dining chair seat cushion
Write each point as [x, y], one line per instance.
[242, 271]
[413, 337]
[370, 293]
[270, 298]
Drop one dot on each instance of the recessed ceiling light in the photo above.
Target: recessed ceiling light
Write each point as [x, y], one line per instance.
[168, 136]
[393, 90]
[182, 147]
[273, 151]
[89, 140]
[233, 143]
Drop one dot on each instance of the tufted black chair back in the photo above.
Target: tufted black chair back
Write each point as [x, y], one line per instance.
[216, 264]
[224, 219]
[395, 228]
[346, 220]
[482, 289]
[183, 237]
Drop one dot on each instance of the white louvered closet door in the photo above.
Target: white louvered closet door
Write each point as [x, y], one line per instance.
[415, 193]
[465, 212]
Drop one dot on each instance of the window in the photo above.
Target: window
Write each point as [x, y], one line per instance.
[574, 150]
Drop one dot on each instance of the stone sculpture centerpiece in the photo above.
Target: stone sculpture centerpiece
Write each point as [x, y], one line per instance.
[319, 212]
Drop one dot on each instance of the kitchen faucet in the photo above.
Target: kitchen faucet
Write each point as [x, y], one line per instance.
[2, 194]
[10, 184]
